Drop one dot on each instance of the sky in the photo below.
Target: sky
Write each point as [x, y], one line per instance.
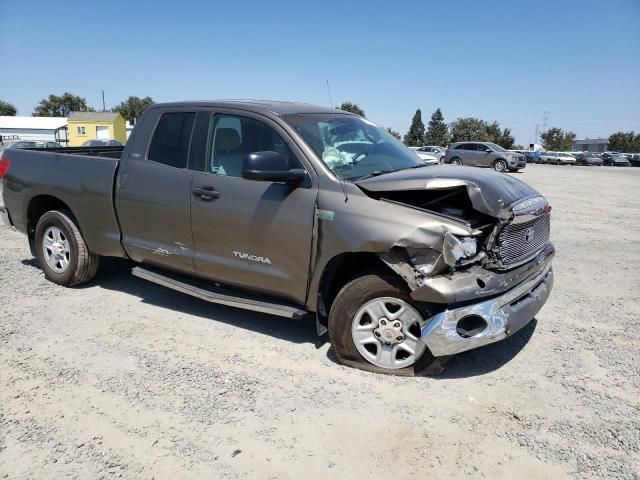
[495, 60]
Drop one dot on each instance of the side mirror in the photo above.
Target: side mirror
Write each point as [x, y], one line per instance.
[270, 167]
[488, 150]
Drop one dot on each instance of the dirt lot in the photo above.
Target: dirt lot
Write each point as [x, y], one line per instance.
[126, 379]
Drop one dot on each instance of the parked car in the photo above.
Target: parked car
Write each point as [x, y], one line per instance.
[428, 158]
[588, 159]
[528, 155]
[635, 160]
[251, 205]
[484, 154]
[35, 144]
[606, 157]
[544, 157]
[433, 150]
[616, 160]
[102, 143]
[562, 158]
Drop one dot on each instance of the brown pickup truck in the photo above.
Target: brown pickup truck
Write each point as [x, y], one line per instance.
[295, 210]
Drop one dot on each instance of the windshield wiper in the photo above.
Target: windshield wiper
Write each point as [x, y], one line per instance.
[377, 173]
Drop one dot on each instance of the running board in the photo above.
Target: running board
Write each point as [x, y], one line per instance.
[219, 295]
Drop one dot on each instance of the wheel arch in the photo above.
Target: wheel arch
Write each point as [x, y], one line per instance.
[38, 206]
[339, 271]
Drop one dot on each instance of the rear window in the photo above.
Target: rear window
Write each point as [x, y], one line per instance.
[170, 142]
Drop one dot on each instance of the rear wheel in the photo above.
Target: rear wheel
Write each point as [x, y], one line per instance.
[61, 250]
[499, 165]
[456, 161]
[374, 325]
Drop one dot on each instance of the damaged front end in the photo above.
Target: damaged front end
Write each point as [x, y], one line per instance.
[489, 283]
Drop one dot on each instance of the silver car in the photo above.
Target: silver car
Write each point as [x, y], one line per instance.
[484, 154]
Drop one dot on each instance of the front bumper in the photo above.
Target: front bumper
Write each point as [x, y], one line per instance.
[4, 217]
[503, 315]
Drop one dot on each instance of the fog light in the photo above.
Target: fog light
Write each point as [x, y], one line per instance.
[470, 326]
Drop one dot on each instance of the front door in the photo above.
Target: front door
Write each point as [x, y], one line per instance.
[252, 234]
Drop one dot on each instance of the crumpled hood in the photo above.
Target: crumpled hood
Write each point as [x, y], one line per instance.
[490, 192]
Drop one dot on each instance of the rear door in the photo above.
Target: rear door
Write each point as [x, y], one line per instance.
[484, 158]
[252, 234]
[468, 153]
[153, 191]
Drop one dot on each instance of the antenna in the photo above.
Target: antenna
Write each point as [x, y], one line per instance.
[329, 92]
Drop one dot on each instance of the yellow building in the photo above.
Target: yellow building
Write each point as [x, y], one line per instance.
[85, 126]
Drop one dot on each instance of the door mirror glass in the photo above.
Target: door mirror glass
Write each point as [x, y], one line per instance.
[270, 166]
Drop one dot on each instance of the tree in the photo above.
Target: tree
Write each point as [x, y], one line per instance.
[474, 129]
[132, 108]
[438, 131]
[7, 109]
[506, 140]
[518, 147]
[352, 107]
[469, 129]
[627, 142]
[415, 136]
[556, 139]
[61, 106]
[394, 133]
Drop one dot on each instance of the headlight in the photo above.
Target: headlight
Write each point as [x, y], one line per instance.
[455, 249]
[424, 259]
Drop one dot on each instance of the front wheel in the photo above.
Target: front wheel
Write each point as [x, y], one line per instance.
[374, 325]
[456, 161]
[499, 165]
[61, 250]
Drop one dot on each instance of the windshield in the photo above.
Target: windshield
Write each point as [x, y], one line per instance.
[495, 148]
[353, 147]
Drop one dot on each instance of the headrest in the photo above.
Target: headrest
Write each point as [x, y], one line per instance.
[227, 139]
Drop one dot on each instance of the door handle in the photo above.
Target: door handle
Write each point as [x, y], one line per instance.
[206, 193]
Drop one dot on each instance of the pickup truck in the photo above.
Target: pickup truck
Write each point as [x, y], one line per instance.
[295, 210]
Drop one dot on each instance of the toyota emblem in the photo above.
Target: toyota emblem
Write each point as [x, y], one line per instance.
[528, 234]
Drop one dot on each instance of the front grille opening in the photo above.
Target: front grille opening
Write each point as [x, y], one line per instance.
[470, 326]
[520, 241]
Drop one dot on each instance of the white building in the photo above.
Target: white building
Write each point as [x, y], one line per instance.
[34, 128]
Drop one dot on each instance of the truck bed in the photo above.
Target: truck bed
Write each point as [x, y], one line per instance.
[81, 178]
[110, 152]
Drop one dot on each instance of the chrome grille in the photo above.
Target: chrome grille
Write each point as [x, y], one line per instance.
[519, 241]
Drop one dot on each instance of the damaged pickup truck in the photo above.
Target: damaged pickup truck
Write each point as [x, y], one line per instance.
[291, 209]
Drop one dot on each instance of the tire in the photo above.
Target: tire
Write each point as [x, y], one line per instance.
[62, 252]
[456, 161]
[500, 165]
[347, 313]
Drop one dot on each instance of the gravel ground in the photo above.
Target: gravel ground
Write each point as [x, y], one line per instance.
[126, 379]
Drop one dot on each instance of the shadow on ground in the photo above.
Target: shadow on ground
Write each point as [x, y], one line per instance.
[488, 358]
[115, 274]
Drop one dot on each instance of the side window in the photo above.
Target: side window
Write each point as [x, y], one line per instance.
[466, 146]
[171, 139]
[232, 137]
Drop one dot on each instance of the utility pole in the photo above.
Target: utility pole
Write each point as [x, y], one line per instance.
[104, 109]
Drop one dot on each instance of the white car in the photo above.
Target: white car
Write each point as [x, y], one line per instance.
[562, 158]
[427, 157]
[433, 150]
